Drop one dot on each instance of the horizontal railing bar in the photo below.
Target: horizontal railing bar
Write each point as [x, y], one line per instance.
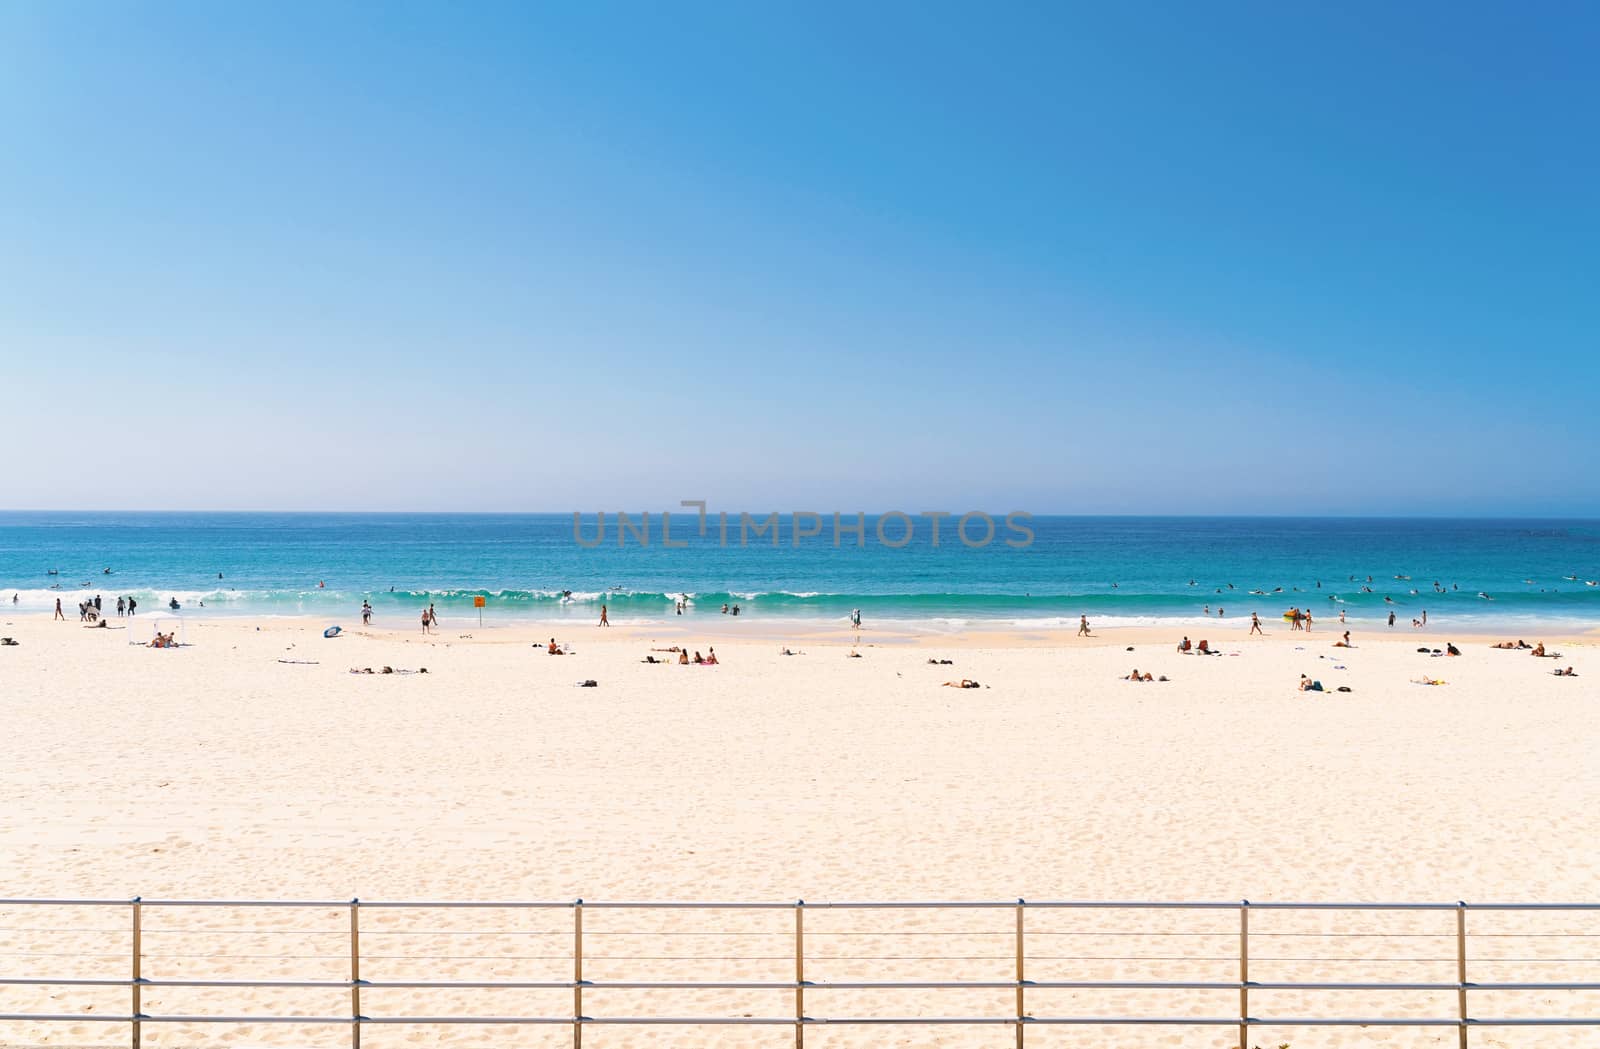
[632, 1021]
[789, 985]
[833, 905]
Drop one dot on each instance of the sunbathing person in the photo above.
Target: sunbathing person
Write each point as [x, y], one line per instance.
[554, 649]
[1308, 685]
[1569, 672]
[965, 682]
[1538, 649]
[683, 657]
[1451, 650]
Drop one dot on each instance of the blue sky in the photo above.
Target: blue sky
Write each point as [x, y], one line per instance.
[1182, 258]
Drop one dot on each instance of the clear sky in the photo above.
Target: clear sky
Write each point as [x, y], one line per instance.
[1185, 258]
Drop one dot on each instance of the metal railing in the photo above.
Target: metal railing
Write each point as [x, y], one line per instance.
[1016, 986]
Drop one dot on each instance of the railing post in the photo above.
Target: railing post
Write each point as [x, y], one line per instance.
[577, 974]
[355, 974]
[1461, 970]
[1021, 1012]
[799, 974]
[138, 953]
[1244, 974]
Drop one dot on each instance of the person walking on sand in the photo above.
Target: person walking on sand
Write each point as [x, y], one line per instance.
[603, 620]
[1083, 626]
[1391, 617]
[427, 617]
[1255, 625]
[433, 617]
[58, 609]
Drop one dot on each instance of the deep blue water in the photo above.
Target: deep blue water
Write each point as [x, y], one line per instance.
[1115, 569]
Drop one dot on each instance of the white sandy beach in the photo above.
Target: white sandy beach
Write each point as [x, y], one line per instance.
[219, 770]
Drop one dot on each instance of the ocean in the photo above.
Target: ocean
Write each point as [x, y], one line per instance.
[1116, 570]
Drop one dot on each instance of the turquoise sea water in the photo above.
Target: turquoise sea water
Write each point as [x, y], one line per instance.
[1117, 570]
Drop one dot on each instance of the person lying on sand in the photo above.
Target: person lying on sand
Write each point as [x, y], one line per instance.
[1506, 644]
[941, 662]
[652, 659]
[674, 648]
[789, 652]
[1136, 677]
[1569, 672]
[1429, 681]
[965, 682]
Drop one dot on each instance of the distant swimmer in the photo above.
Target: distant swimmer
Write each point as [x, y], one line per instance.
[105, 571]
[1485, 596]
[321, 585]
[173, 604]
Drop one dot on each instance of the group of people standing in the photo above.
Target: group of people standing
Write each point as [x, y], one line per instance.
[89, 611]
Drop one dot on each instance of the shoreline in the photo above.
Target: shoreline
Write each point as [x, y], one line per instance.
[742, 630]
